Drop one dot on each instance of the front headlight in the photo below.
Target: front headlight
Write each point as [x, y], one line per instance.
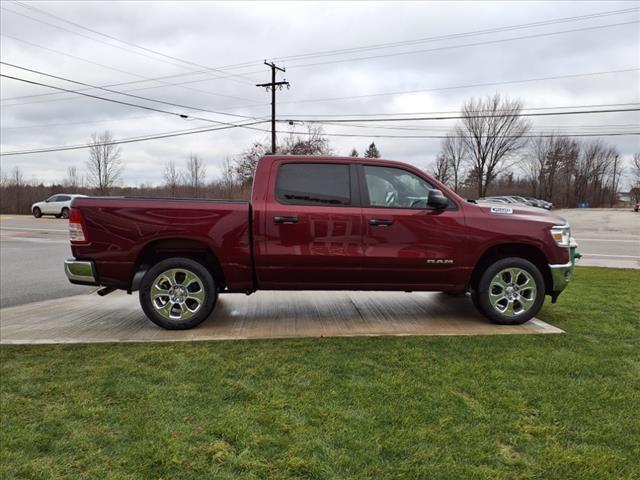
[561, 234]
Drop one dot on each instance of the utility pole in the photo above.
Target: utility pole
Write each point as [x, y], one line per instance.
[272, 86]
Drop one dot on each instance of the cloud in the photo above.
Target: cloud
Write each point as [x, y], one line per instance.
[218, 34]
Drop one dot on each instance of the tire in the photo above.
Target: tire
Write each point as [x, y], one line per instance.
[510, 292]
[183, 306]
[65, 212]
[37, 212]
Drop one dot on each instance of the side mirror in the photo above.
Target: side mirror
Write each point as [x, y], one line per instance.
[437, 200]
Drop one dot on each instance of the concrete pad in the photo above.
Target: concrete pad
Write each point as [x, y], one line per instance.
[118, 318]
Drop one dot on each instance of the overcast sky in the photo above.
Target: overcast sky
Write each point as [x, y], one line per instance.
[423, 74]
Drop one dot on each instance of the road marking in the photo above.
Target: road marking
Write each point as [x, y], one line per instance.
[33, 229]
[605, 240]
[612, 256]
[5, 239]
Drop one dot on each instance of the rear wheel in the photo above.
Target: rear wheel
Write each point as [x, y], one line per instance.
[65, 212]
[177, 293]
[510, 292]
[37, 212]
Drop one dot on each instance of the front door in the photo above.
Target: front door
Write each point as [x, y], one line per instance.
[51, 205]
[407, 245]
[313, 227]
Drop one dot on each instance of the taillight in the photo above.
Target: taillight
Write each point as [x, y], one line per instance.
[77, 231]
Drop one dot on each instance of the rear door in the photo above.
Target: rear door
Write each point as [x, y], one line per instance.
[407, 245]
[313, 227]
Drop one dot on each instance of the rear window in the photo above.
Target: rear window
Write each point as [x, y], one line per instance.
[313, 184]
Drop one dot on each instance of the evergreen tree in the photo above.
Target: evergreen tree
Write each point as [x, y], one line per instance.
[372, 151]
[354, 153]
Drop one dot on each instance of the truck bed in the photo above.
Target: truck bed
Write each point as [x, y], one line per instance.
[120, 230]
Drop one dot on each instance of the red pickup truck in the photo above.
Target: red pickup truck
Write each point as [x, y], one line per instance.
[320, 223]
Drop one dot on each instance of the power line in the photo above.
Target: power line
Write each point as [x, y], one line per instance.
[537, 114]
[144, 138]
[540, 128]
[439, 38]
[366, 47]
[458, 35]
[60, 124]
[121, 93]
[456, 87]
[611, 134]
[210, 69]
[145, 79]
[144, 107]
[474, 44]
[179, 133]
[458, 111]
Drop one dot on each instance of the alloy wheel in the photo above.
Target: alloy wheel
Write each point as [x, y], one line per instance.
[512, 291]
[177, 294]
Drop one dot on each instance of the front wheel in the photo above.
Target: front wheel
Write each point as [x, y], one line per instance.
[177, 293]
[37, 212]
[510, 292]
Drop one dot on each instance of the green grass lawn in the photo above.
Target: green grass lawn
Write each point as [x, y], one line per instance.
[503, 407]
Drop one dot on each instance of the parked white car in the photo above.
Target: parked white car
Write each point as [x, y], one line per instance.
[57, 205]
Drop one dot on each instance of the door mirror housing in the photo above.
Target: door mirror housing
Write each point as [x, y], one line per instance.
[437, 200]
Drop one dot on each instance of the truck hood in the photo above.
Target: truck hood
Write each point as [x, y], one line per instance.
[521, 212]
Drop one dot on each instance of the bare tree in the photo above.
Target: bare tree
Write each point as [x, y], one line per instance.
[195, 174]
[635, 182]
[73, 180]
[172, 177]
[311, 143]
[4, 179]
[442, 170]
[550, 164]
[492, 131]
[245, 165]
[635, 166]
[104, 167]
[17, 179]
[455, 155]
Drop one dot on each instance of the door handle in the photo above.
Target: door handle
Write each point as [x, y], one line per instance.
[380, 222]
[285, 219]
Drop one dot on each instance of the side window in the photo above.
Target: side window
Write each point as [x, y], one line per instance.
[313, 184]
[63, 198]
[54, 198]
[395, 188]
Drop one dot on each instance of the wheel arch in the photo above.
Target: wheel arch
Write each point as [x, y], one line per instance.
[161, 249]
[505, 250]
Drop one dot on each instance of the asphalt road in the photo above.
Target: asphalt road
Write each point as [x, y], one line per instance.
[606, 237]
[32, 251]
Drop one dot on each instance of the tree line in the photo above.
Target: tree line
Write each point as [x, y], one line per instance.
[490, 151]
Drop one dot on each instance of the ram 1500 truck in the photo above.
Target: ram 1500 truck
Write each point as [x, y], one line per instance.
[320, 223]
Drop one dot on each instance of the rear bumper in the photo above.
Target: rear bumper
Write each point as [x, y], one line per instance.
[81, 272]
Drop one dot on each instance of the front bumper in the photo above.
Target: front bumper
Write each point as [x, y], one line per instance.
[81, 272]
[561, 274]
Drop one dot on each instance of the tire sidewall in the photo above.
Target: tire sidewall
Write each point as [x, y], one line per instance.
[187, 264]
[64, 212]
[482, 294]
[37, 213]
